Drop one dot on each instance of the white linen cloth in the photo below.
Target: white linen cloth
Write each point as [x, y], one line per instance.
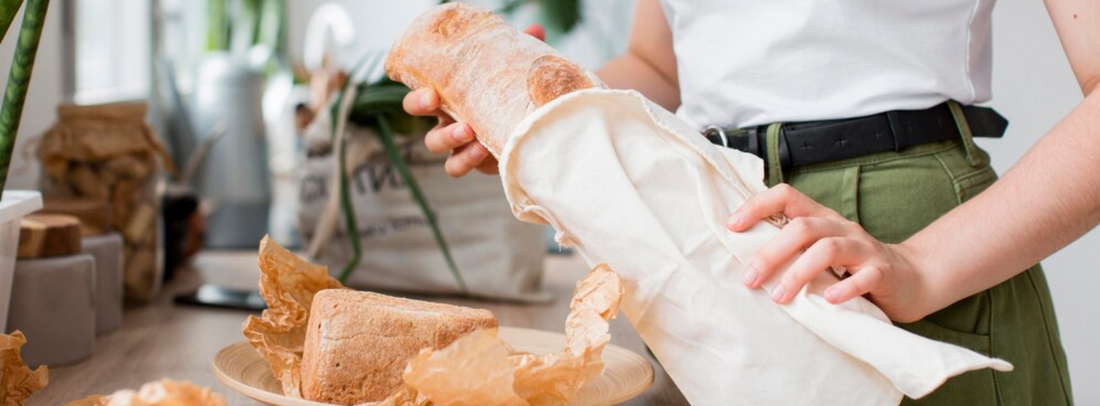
[630, 184]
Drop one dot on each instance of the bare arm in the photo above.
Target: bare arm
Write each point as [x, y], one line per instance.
[1078, 26]
[649, 64]
[1047, 200]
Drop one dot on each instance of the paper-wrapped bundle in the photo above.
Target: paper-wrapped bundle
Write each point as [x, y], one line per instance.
[107, 155]
[630, 184]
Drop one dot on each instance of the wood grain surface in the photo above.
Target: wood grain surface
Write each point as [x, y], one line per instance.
[165, 340]
[49, 235]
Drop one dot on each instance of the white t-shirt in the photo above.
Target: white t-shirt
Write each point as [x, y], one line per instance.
[751, 62]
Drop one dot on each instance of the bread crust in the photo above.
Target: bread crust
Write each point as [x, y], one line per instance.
[487, 74]
[358, 343]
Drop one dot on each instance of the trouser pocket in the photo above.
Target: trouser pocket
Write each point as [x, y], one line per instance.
[977, 388]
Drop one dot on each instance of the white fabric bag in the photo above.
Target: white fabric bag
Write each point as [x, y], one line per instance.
[630, 184]
[498, 257]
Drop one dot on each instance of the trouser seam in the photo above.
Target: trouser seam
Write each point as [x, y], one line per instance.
[972, 174]
[1050, 338]
[950, 175]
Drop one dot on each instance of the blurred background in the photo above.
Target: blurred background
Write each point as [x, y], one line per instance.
[247, 81]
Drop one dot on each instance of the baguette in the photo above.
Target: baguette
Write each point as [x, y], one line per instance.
[487, 74]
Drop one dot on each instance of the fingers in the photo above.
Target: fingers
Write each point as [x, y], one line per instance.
[423, 102]
[449, 136]
[537, 31]
[819, 257]
[489, 166]
[781, 199]
[465, 158]
[858, 284]
[446, 138]
[796, 236]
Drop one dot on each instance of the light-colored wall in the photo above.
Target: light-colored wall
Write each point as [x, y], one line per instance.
[1034, 87]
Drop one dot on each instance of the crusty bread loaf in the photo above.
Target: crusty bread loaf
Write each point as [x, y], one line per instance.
[487, 73]
[358, 343]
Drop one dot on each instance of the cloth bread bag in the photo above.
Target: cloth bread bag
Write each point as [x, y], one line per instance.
[498, 257]
[630, 184]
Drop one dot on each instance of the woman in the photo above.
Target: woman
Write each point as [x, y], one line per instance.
[863, 115]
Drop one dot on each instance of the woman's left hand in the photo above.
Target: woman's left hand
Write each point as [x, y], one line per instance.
[827, 239]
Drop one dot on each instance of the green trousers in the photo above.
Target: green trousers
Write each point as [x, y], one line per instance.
[895, 194]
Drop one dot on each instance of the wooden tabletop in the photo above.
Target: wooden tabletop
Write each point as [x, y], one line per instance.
[167, 340]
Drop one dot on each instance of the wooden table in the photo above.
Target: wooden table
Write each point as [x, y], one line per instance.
[166, 340]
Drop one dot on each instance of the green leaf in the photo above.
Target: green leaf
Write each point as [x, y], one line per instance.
[370, 59]
[351, 225]
[19, 79]
[386, 134]
[377, 105]
[8, 10]
[217, 30]
[559, 16]
[270, 29]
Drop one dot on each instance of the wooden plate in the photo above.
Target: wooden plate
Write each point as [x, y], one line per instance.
[625, 375]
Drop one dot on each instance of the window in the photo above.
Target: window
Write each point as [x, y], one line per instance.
[111, 50]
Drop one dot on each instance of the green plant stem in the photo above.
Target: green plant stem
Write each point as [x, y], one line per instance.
[386, 134]
[374, 105]
[8, 10]
[19, 79]
[217, 30]
[350, 223]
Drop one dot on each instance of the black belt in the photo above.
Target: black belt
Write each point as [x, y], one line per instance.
[812, 142]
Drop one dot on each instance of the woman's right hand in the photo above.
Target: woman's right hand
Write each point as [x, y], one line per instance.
[454, 137]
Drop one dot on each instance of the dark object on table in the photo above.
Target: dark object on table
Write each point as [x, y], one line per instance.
[219, 296]
[184, 227]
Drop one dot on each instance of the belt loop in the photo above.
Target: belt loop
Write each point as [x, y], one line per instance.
[896, 130]
[972, 155]
[775, 165]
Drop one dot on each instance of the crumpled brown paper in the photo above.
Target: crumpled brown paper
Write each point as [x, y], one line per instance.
[476, 370]
[17, 381]
[479, 369]
[161, 393]
[99, 134]
[287, 284]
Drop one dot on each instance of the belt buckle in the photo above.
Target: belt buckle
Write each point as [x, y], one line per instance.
[713, 131]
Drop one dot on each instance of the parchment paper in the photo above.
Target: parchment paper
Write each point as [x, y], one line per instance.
[17, 381]
[287, 284]
[476, 370]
